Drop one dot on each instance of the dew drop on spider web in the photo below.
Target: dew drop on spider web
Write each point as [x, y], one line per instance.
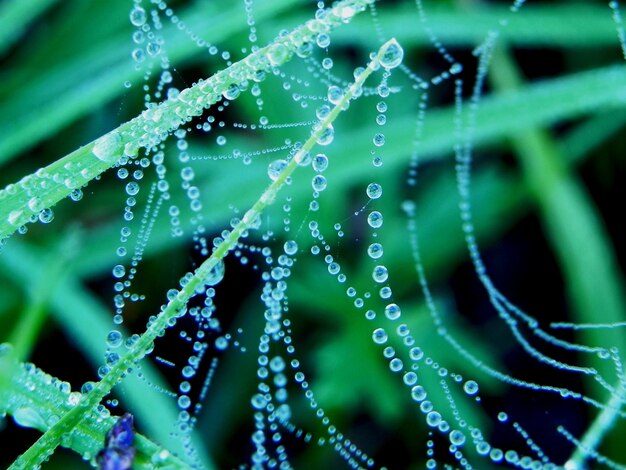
[320, 162]
[375, 219]
[319, 183]
[470, 387]
[118, 271]
[291, 247]
[392, 311]
[375, 250]
[374, 190]
[380, 274]
[215, 274]
[137, 16]
[114, 339]
[379, 336]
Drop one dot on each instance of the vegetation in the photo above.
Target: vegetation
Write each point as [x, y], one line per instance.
[384, 235]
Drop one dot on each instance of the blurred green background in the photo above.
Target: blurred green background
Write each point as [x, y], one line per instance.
[547, 193]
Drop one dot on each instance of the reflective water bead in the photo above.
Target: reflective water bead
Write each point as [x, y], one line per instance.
[323, 40]
[457, 438]
[379, 336]
[381, 106]
[275, 168]
[396, 365]
[290, 247]
[392, 311]
[418, 393]
[410, 378]
[132, 188]
[380, 274]
[114, 339]
[374, 190]
[137, 16]
[433, 418]
[326, 136]
[119, 271]
[392, 56]
[375, 219]
[319, 183]
[184, 402]
[320, 162]
[215, 274]
[470, 387]
[375, 250]
[46, 216]
[379, 138]
[258, 401]
[322, 111]
[335, 94]
[327, 63]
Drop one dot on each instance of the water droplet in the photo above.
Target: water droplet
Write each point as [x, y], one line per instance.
[379, 138]
[215, 274]
[290, 247]
[375, 250]
[418, 393]
[457, 438]
[275, 168]
[375, 219]
[379, 336]
[114, 339]
[392, 311]
[392, 55]
[320, 162]
[380, 274]
[119, 271]
[470, 387]
[319, 183]
[46, 216]
[374, 190]
[107, 147]
[137, 16]
[184, 402]
[28, 417]
[258, 401]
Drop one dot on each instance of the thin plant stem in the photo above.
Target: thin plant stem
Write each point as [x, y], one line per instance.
[176, 307]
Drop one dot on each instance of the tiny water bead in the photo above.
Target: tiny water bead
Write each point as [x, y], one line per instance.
[379, 336]
[470, 387]
[374, 190]
[375, 251]
[137, 16]
[392, 311]
[380, 274]
[320, 162]
[275, 168]
[375, 219]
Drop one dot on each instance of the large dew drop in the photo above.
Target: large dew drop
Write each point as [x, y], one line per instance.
[392, 57]
[107, 147]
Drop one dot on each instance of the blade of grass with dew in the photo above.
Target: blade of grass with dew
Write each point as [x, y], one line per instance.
[88, 330]
[47, 102]
[36, 399]
[21, 202]
[176, 307]
[499, 116]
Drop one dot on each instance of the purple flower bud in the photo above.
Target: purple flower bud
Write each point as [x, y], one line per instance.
[118, 453]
